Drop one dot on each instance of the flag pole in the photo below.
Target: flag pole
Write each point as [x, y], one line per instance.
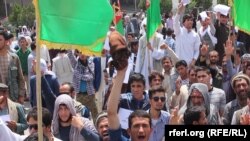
[38, 78]
[231, 21]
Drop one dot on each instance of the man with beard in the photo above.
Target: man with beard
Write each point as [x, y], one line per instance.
[65, 122]
[101, 125]
[198, 96]
[240, 84]
[217, 96]
[241, 117]
[159, 117]
[11, 71]
[211, 63]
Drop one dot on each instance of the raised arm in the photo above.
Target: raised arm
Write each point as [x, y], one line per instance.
[177, 26]
[114, 98]
[72, 58]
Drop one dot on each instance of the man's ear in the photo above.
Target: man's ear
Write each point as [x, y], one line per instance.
[129, 132]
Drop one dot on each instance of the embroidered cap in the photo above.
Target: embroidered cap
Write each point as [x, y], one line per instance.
[246, 56]
[240, 75]
[99, 117]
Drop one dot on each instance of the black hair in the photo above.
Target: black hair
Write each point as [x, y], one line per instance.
[131, 34]
[181, 63]
[46, 116]
[239, 51]
[10, 35]
[4, 34]
[71, 88]
[34, 137]
[187, 17]
[134, 43]
[169, 31]
[202, 68]
[153, 75]
[33, 45]
[164, 30]
[136, 77]
[165, 58]
[155, 89]
[138, 113]
[192, 114]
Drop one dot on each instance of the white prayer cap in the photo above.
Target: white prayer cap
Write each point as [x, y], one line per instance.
[203, 15]
[223, 9]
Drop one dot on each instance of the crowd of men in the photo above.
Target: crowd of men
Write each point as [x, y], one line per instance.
[135, 88]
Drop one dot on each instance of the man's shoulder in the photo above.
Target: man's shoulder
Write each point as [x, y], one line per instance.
[165, 113]
[218, 90]
[56, 59]
[232, 103]
[116, 135]
[18, 106]
[13, 54]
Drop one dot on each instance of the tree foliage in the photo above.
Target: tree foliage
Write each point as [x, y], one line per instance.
[205, 4]
[142, 4]
[199, 4]
[22, 15]
[225, 2]
[166, 5]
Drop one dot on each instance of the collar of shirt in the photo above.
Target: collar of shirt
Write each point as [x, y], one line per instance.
[186, 31]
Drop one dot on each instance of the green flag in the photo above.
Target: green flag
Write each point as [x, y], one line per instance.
[119, 27]
[241, 15]
[76, 24]
[153, 17]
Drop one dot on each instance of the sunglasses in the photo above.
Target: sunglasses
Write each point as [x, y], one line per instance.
[156, 99]
[35, 126]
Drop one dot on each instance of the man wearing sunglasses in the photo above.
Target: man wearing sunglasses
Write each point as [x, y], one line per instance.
[46, 120]
[159, 117]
